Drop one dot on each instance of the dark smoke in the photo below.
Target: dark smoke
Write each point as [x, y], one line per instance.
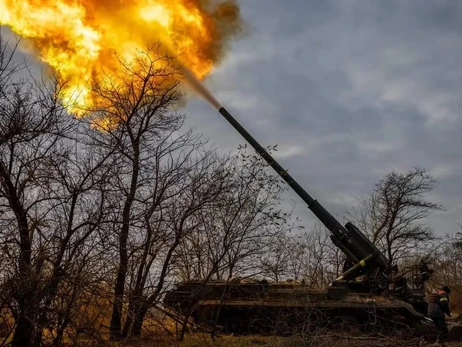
[200, 88]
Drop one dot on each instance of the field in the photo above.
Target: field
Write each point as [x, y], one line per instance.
[321, 340]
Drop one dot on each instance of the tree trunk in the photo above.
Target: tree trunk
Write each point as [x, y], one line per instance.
[116, 318]
[129, 319]
[24, 332]
[138, 322]
[60, 335]
[119, 290]
[184, 326]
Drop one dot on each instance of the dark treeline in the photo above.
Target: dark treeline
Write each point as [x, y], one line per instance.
[97, 223]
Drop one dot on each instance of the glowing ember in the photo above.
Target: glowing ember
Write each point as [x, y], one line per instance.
[82, 40]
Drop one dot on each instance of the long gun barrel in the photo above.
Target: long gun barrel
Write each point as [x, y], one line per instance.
[326, 218]
[348, 238]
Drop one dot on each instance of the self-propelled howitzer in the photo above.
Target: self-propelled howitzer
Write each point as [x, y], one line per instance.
[369, 286]
[365, 257]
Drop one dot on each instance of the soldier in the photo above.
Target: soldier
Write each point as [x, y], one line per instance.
[437, 308]
[425, 272]
[394, 277]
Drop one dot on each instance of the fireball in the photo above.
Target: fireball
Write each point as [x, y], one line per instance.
[85, 40]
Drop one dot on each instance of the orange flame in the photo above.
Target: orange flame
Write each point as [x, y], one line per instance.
[78, 38]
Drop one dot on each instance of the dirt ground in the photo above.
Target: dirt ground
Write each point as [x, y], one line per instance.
[319, 338]
[348, 336]
[320, 341]
[312, 341]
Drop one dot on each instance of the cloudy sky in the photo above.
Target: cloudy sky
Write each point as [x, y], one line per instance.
[349, 90]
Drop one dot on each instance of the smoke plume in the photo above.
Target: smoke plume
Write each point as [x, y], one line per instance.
[200, 88]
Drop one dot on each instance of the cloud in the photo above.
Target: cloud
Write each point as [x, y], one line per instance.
[349, 91]
[288, 152]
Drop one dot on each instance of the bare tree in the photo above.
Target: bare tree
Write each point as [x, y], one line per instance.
[236, 229]
[30, 120]
[445, 258]
[275, 262]
[168, 222]
[53, 185]
[75, 181]
[323, 261]
[249, 216]
[58, 203]
[309, 256]
[133, 114]
[239, 227]
[392, 215]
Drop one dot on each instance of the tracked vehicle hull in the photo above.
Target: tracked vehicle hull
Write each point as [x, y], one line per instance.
[287, 308]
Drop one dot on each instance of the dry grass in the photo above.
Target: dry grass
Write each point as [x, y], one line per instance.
[162, 333]
[328, 340]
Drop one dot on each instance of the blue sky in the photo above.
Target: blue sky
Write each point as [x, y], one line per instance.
[349, 90]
